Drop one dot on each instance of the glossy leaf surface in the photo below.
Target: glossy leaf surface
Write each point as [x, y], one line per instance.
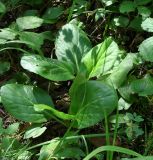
[71, 44]
[19, 101]
[51, 69]
[91, 102]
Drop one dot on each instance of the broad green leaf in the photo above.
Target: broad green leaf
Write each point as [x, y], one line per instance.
[53, 13]
[119, 75]
[114, 149]
[127, 6]
[91, 102]
[29, 22]
[4, 67]
[146, 49]
[101, 58]
[19, 101]
[144, 11]
[143, 158]
[48, 68]
[35, 40]
[147, 25]
[61, 115]
[144, 86]
[34, 132]
[142, 2]
[71, 44]
[2, 8]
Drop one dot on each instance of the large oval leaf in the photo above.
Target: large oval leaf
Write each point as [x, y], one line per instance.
[51, 69]
[19, 101]
[71, 44]
[91, 101]
[144, 86]
[146, 49]
[29, 22]
[101, 58]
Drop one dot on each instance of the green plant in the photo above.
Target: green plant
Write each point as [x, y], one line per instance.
[98, 73]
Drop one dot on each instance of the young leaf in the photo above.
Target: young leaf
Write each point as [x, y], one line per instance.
[101, 58]
[29, 22]
[147, 25]
[144, 86]
[51, 69]
[19, 101]
[146, 49]
[71, 44]
[91, 102]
